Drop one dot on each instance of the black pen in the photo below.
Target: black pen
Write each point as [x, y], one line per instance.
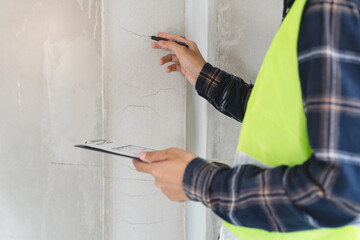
[164, 39]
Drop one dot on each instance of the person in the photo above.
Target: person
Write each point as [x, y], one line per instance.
[297, 165]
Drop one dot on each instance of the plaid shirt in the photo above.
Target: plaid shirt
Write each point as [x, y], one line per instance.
[324, 191]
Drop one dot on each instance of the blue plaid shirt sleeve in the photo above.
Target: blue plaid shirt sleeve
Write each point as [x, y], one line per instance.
[323, 192]
[226, 92]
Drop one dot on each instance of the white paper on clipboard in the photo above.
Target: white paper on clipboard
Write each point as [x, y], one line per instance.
[110, 147]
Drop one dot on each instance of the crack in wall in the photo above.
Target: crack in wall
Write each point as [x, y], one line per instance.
[160, 90]
[143, 106]
[140, 102]
[129, 85]
[134, 33]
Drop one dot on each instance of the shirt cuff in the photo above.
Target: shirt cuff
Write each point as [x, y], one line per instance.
[204, 83]
[197, 179]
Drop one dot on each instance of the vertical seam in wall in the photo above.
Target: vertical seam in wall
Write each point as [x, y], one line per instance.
[102, 67]
[199, 107]
[103, 115]
[207, 57]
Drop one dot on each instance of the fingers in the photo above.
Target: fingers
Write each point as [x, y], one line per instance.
[173, 68]
[173, 37]
[155, 45]
[152, 157]
[142, 166]
[169, 58]
[172, 46]
[167, 45]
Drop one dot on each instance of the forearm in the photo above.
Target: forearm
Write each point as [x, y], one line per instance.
[313, 195]
[227, 93]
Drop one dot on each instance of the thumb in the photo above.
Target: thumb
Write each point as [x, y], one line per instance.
[142, 166]
[152, 157]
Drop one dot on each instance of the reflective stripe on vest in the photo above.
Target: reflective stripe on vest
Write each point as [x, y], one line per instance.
[274, 129]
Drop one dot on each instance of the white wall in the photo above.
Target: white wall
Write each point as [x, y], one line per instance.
[68, 72]
[50, 99]
[145, 106]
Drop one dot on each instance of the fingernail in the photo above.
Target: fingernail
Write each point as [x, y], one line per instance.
[142, 155]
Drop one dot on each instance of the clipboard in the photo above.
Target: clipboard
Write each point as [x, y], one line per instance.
[110, 147]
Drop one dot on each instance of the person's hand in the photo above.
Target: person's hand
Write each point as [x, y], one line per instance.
[168, 168]
[187, 61]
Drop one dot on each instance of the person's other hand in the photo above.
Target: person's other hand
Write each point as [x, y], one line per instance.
[168, 168]
[188, 61]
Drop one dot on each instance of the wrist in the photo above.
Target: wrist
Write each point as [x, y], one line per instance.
[203, 79]
[195, 187]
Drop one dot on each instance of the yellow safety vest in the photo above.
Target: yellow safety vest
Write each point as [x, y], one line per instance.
[274, 130]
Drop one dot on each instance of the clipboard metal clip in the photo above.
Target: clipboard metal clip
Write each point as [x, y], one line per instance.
[98, 142]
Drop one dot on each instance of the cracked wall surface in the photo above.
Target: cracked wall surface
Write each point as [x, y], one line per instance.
[50, 99]
[69, 72]
[145, 106]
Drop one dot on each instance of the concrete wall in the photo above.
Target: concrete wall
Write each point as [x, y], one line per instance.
[50, 98]
[69, 72]
[145, 106]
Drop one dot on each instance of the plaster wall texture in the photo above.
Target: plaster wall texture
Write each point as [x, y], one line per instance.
[50, 99]
[145, 106]
[240, 32]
